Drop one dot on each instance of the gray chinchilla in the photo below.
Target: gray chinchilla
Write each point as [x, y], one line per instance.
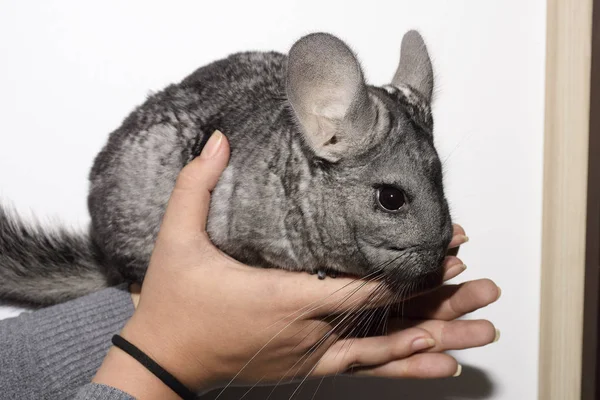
[327, 173]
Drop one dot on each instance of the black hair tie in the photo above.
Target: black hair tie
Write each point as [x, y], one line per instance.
[153, 367]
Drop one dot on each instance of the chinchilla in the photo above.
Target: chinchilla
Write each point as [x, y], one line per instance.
[326, 173]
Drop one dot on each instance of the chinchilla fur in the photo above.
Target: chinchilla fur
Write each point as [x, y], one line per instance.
[326, 173]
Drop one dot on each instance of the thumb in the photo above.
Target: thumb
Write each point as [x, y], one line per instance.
[187, 210]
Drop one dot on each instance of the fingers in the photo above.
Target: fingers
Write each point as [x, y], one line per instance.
[187, 210]
[458, 230]
[451, 335]
[371, 351]
[419, 366]
[403, 340]
[453, 267]
[395, 354]
[459, 237]
[452, 301]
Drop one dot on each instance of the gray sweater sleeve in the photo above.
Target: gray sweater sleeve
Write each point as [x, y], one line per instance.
[54, 352]
[94, 391]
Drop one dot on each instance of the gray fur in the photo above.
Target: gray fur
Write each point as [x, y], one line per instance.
[329, 97]
[43, 267]
[415, 67]
[310, 144]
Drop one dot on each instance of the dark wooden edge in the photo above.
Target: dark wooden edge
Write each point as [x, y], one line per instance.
[590, 377]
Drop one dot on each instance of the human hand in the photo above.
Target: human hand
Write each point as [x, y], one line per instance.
[437, 312]
[210, 320]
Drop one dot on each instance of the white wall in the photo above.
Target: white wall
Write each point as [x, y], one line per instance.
[70, 71]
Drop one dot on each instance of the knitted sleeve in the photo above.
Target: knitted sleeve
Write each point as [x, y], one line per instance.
[93, 391]
[54, 352]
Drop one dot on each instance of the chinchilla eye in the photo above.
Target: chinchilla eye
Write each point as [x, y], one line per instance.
[390, 198]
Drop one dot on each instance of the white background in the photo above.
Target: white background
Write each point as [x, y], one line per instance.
[70, 71]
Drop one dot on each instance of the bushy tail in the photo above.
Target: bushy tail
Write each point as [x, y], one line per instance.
[40, 267]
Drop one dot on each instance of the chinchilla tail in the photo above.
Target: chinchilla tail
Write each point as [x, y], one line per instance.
[41, 267]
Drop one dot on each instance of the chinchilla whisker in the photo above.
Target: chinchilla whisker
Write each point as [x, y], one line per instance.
[362, 282]
[317, 389]
[456, 147]
[343, 301]
[357, 324]
[382, 314]
[411, 288]
[359, 318]
[346, 298]
[315, 325]
[344, 318]
[303, 380]
[386, 319]
[269, 341]
[352, 314]
[360, 330]
[319, 301]
[252, 387]
[363, 327]
[319, 343]
[314, 348]
[405, 289]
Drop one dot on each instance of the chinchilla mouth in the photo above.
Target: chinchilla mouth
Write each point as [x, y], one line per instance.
[404, 282]
[407, 284]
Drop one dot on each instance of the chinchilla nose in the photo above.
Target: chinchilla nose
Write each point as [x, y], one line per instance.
[437, 246]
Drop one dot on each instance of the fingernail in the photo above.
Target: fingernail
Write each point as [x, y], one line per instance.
[212, 146]
[499, 293]
[497, 337]
[422, 344]
[463, 239]
[458, 371]
[456, 270]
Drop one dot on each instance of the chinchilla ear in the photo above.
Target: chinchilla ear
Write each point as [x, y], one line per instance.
[327, 91]
[415, 67]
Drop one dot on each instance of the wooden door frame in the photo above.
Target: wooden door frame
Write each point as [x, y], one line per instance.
[565, 194]
[590, 379]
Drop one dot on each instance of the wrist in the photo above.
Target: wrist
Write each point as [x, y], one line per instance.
[121, 371]
[166, 349]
